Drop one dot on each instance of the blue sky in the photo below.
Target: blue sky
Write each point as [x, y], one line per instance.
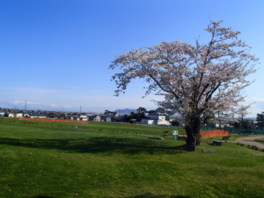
[55, 53]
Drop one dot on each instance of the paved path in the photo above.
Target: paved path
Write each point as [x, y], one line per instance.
[250, 140]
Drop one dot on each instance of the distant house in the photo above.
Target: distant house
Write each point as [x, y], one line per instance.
[148, 121]
[156, 120]
[108, 118]
[26, 115]
[34, 115]
[160, 119]
[75, 117]
[94, 117]
[19, 115]
[11, 115]
[97, 118]
[83, 118]
[2, 114]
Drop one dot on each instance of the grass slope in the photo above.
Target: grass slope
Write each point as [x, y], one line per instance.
[118, 160]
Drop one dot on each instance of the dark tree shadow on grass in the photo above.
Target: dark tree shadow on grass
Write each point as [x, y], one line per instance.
[149, 195]
[107, 145]
[41, 196]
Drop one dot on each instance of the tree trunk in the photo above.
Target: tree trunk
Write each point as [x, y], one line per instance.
[192, 128]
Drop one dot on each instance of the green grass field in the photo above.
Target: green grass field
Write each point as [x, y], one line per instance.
[50, 160]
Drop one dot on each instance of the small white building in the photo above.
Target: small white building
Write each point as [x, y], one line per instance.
[11, 115]
[156, 120]
[148, 121]
[19, 115]
[84, 118]
[26, 115]
[97, 118]
[162, 121]
[41, 116]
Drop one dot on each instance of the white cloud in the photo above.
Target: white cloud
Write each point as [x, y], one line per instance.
[255, 99]
[34, 105]
[72, 99]
[256, 105]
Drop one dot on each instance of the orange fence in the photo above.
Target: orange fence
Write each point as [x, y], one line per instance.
[213, 133]
[52, 120]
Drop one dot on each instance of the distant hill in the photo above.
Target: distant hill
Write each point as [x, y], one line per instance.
[125, 111]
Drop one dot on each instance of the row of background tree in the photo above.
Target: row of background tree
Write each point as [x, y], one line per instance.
[240, 122]
[139, 114]
[237, 121]
[215, 119]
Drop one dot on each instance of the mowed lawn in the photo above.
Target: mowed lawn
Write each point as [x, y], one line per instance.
[50, 160]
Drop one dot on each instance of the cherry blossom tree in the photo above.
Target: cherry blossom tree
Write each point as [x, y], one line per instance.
[195, 79]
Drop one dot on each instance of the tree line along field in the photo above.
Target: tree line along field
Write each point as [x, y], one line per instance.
[52, 159]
